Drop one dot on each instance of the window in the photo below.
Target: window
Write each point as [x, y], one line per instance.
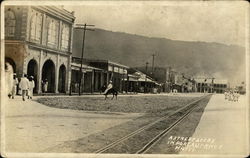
[65, 36]
[53, 33]
[36, 27]
[10, 23]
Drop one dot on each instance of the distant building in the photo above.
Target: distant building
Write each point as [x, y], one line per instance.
[210, 85]
[113, 71]
[219, 86]
[90, 80]
[38, 42]
[97, 73]
[160, 74]
[169, 79]
[137, 81]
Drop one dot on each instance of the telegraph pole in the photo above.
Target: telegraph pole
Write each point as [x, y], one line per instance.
[147, 67]
[84, 27]
[153, 62]
[212, 85]
[146, 77]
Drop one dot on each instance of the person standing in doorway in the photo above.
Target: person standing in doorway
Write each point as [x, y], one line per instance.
[31, 87]
[45, 86]
[24, 86]
[14, 86]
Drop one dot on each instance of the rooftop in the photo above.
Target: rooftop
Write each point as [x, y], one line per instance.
[209, 80]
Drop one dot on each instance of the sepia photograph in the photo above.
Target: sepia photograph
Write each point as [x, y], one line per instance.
[125, 79]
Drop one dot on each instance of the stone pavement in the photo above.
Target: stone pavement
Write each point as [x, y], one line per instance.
[225, 123]
[33, 127]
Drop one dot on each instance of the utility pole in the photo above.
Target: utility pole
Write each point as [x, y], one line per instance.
[212, 85]
[145, 87]
[147, 67]
[84, 27]
[153, 62]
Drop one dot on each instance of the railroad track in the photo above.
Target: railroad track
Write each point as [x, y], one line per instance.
[155, 139]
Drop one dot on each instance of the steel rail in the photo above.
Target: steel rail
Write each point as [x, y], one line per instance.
[157, 138]
[101, 150]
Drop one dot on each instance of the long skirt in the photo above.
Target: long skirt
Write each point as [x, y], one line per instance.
[30, 92]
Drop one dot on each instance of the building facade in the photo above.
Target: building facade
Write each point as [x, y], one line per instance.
[38, 42]
[91, 78]
[112, 71]
[98, 73]
[138, 81]
[211, 85]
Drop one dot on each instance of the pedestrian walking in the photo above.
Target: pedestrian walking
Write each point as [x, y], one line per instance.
[24, 85]
[31, 87]
[14, 86]
[8, 79]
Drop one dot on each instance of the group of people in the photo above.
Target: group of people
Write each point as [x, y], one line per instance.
[26, 86]
[12, 84]
[231, 95]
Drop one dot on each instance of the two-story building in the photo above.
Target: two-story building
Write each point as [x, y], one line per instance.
[38, 42]
[211, 85]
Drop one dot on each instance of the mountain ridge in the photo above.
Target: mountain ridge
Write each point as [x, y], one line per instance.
[193, 58]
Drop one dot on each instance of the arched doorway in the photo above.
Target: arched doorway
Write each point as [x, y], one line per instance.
[48, 72]
[32, 71]
[62, 79]
[12, 63]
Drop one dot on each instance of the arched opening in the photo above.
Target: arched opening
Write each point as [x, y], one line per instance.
[62, 79]
[48, 73]
[32, 71]
[12, 63]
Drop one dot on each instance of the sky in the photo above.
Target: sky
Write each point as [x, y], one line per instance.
[221, 22]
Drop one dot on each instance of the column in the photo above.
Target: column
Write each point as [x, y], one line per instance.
[68, 76]
[82, 86]
[107, 78]
[96, 80]
[128, 84]
[39, 73]
[56, 73]
[121, 80]
[92, 81]
[102, 78]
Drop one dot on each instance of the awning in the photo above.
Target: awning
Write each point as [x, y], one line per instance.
[84, 66]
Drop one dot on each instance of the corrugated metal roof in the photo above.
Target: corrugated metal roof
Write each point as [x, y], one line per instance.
[84, 66]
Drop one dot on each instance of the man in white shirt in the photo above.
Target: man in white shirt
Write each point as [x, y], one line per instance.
[24, 86]
[110, 85]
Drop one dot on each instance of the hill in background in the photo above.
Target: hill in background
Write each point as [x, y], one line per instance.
[193, 58]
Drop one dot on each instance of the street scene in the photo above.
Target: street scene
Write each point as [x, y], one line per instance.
[121, 78]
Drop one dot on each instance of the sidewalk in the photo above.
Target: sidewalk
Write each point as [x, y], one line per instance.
[33, 127]
[224, 122]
